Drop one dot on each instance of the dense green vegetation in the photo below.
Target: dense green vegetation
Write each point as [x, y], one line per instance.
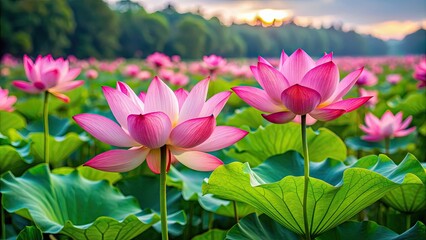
[92, 28]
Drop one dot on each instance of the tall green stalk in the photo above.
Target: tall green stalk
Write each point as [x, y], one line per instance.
[163, 197]
[3, 223]
[306, 171]
[46, 126]
[387, 146]
[234, 203]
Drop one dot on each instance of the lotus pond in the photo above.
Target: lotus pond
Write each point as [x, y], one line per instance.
[290, 148]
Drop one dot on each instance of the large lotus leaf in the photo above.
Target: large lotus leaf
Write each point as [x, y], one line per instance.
[11, 160]
[60, 148]
[250, 117]
[73, 205]
[357, 143]
[190, 181]
[413, 104]
[90, 173]
[272, 190]
[255, 227]
[11, 120]
[57, 126]
[214, 234]
[275, 139]
[147, 190]
[372, 231]
[224, 207]
[30, 232]
[410, 197]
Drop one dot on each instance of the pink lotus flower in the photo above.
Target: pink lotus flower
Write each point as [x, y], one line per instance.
[300, 86]
[159, 60]
[184, 123]
[367, 78]
[213, 62]
[143, 75]
[179, 79]
[131, 70]
[389, 126]
[374, 97]
[393, 78]
[92, 74]
[47, 74]
[6, 101]
[420, 73]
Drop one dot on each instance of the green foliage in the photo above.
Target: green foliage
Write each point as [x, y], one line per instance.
[35, 27]
[191, 37]
[30, 232]
[96, 29]
[10, 120]
[262, 227]
[273, 189]
[92, 28]
[278, 138]
[75, 206]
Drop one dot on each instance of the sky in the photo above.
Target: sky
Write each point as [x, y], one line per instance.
[386, 19]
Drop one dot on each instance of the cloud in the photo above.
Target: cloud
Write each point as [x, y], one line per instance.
[392, 29]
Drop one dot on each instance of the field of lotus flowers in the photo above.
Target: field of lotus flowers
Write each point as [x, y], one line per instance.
[158, 148]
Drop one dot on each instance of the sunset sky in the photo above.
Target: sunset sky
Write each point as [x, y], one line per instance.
[387, 19]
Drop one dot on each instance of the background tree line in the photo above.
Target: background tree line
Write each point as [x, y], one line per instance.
[91, 28]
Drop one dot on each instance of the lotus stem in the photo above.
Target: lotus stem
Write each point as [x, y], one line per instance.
[306, 171]
[234, 203]
[163, 197]
[211, 220]
[3, 223]
[387, 146]
[46, 126]
[408, 221]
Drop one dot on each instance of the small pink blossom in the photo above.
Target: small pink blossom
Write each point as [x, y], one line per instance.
[92, 74]
[420, 73]
[48, 74]
[213, 62]
[393, 78]
[143, 75]
[6, 101]
[159, 60]
[374, 97]
[184, 123]
[131, 70]
[367, 78]
[388, 126]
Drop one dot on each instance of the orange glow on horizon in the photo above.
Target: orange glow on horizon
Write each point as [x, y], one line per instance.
[267, 17]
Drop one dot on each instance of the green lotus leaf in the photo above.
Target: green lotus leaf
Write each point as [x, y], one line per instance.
[371, 231]
[12, 160]
[90, 173]
[331, 199]
[396, 144]
[139, 186]
[57, 126]
[30, 232]
[413, 104]
[250, 117]
[11, 120]
[72, 205]
[214, 234]
[255, 227]
[410, 197]
[278, 138]
[190, 182]
[224, 207]
[60, 147]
